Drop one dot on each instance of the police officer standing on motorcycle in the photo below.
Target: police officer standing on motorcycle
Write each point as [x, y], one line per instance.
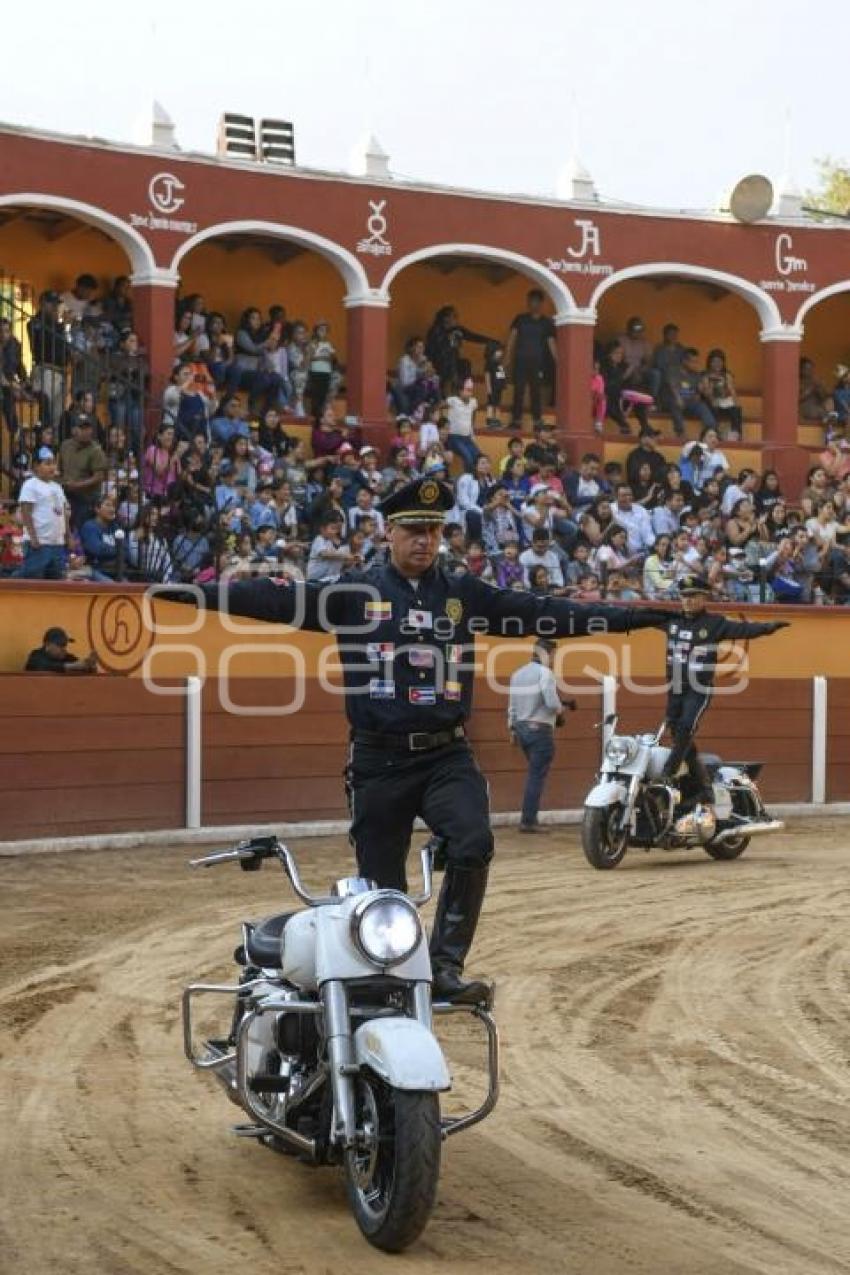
[693, 636]
[406, 633]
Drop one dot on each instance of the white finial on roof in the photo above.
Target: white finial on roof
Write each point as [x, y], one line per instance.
[574, 181]
[369, 159]
[162, 129]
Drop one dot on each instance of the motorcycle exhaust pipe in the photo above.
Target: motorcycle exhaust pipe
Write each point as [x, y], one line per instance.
[749, 830]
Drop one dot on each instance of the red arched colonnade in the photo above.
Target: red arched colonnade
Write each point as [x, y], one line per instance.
[154, 209]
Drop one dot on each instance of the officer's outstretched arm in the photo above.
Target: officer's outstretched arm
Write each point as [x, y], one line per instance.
[750, 628]
[305, 606]
[552, 617]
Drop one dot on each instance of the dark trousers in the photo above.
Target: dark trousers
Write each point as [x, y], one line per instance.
[537, 741]
[388, 789]
[684, 711]
[527, 372]
[318, 385]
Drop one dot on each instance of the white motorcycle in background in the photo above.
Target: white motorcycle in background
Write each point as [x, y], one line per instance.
[634, 804]
[331, 1051]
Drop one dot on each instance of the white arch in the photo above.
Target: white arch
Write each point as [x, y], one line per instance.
[345, 262]
[138, 250]
[834, 290]
[556, 289]
[762, 302]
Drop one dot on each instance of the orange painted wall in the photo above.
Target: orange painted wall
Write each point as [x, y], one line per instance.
[28, 255]
[827, 336]
[308, 286]
[705, 322]
[816, 643]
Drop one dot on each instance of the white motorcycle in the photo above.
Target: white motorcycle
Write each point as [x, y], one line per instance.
[331, 1051]
[634, 804]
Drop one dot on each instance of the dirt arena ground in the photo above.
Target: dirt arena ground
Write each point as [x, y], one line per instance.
[676, 1087]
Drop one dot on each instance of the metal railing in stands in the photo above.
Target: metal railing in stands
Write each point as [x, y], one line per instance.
[46, 360]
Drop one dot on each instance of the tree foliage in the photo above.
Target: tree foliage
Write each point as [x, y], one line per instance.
[833, 192]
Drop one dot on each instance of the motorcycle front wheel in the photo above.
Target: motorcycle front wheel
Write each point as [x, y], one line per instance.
[392, 1176]
[603, 840]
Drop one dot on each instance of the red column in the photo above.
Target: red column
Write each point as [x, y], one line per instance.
[780, 412]
[574, 338]
[153, 319]
[366, 369]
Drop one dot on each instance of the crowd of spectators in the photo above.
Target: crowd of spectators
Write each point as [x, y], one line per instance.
[223, 483]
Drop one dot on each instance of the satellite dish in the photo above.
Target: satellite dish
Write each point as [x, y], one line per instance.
[751, 199]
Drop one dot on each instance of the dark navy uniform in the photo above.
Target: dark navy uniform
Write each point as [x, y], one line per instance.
[692, 659]
[406, 651]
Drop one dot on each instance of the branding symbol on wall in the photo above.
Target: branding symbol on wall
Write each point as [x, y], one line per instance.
[118, 633]
[578, 256]
[376, 244]
[590, 242]
[162, 192]
[787, 264]
[164, 197]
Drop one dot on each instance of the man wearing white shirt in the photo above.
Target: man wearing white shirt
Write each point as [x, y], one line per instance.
[541, 554]
[743, 489]
[635, 519]
[45, 513]
[534, 710]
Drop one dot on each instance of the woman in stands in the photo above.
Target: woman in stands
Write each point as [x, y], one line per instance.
[147, 550]
[161, 464]
[614, 373]
[321, 362]
[769, 493]
[238, 451]
[741, 526]
[721, 394]
[659, 573]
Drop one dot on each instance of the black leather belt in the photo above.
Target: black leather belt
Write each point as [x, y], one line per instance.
[418, 741]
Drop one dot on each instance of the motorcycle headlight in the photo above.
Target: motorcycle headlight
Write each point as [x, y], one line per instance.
[620, 750]
[386, 928]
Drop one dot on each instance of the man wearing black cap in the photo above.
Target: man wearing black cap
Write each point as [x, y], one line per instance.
[407, 630]
[534, 710]
[83, 466]
[693, 636]
[53, 656]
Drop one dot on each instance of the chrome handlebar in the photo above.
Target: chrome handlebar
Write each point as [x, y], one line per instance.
[252, 853]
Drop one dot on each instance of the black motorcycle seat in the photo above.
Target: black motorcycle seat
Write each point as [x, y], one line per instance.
[263, 947]
[713, 763]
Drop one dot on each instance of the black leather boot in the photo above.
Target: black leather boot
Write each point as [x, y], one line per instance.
[458, 910]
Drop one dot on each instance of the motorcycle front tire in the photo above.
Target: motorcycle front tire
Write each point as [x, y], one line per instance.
[392, 1188]
[603, 843]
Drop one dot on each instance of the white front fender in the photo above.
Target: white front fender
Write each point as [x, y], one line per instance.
[607, 793]
[403, 1053]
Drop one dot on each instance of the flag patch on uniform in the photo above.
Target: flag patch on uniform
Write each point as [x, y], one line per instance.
[420, 619]
[421, 657]
[379, 689]
[454, 654]
[422, 694]
[379, 650]
[453, 690]
[379, 610]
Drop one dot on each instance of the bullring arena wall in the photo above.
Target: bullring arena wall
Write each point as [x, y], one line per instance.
[216, 727]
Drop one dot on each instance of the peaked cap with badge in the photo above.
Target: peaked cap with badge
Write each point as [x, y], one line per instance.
[426, 499]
